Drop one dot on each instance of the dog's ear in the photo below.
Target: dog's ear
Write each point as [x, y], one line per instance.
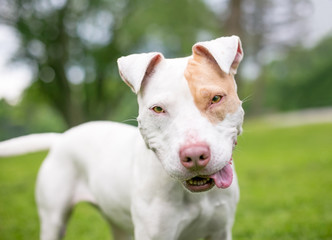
[226, 51]
[134, 68]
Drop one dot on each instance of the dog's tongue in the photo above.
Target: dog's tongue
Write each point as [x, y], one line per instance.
[223, 178]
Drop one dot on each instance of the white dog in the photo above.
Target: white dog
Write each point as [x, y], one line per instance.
[171, 179]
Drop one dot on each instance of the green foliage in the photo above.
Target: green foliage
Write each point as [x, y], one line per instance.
[302, 80]
[28, 117]
[284, 176]
[7, 129]
[73, 46]
[169, 26]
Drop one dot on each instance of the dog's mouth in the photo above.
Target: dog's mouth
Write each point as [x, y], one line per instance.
[222, 179]
[199, 184]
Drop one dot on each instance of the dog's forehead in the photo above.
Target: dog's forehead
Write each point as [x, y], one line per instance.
[171, 69]
[167, 79]
[206, 80]
[194, 79]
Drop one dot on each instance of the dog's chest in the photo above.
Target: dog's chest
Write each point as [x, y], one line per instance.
[205, 217]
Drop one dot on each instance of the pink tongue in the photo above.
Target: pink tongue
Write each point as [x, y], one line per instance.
[223, 178]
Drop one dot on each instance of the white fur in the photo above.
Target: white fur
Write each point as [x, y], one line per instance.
[224, 51]
[132, 68]
[27, 144]
[135, 177]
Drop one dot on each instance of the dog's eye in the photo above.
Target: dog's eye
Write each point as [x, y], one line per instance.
[216, 99]
[158, 109]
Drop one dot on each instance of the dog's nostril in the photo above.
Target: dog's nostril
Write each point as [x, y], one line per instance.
[195, 157]
[202, 157]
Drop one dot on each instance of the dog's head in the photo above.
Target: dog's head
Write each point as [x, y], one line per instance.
[189, 111]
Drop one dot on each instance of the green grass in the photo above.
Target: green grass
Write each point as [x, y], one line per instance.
[18, 211]
[286, 183]
[285, 179]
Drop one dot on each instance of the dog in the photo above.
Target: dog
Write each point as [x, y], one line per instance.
[172, 177]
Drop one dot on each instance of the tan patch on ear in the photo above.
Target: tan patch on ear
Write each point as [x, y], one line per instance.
[206, 80]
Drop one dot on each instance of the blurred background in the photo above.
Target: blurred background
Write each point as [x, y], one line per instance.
[58, 57]
[58, 69]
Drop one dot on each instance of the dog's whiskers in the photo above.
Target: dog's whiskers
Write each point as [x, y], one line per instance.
[247, 98]
[130, 120]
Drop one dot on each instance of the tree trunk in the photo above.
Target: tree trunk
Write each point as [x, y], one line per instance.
[234, 26]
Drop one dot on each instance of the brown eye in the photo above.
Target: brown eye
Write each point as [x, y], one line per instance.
[216, 99]
[158, 109]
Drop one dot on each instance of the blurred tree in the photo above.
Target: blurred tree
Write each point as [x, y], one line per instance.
[266, 27]
[72, 45]
[303, 79]
[39, 119]
[7, 129]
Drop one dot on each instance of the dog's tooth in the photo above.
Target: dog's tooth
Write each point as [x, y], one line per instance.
[198, 182]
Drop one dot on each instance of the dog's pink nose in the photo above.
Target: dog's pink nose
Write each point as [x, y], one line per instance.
[195, 157]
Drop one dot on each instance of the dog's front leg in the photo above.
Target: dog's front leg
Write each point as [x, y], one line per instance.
[225, 234]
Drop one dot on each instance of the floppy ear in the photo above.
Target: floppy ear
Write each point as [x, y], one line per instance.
[226, 51]
[134, 68]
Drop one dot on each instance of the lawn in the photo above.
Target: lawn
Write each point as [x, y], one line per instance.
[285, 180]
[286, 183]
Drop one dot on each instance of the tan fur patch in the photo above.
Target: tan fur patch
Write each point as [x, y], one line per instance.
[206, 80]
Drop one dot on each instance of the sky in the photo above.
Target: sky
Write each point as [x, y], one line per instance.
[14, 78]
[320, 22]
